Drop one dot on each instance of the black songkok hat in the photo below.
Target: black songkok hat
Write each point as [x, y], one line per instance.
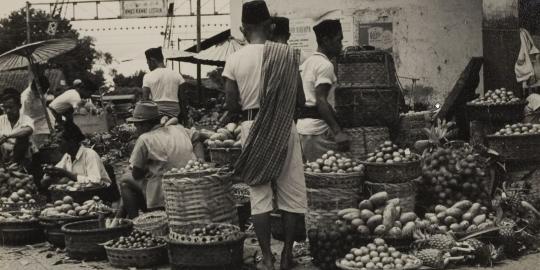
[327, 28]
[282, 25]
[255, 12]
[154, 53]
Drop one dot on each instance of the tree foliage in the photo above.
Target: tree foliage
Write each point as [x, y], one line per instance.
[134, 80]
[76, 64]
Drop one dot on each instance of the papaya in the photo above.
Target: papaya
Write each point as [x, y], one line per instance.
[366, 214]
[379, 198]
[408, 229]
[394, 201]
[463, 205]
[479, 219]
[231, 127]
[475, 209]
[345, 211]
[454, 212]
[365, 204]
[395, 232]
[357, 222]
[449, 220]
[351, 216]
[440, 208]
[226, 133]
[398, 224]
[467, 216]
[374, 221]
[363, 230]
[407, 216]
[390, 215]
[228, 143]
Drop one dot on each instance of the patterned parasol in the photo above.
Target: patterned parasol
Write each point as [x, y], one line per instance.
[35, 53]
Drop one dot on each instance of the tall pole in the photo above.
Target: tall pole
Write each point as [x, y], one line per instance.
[199, 48]
[28, 24]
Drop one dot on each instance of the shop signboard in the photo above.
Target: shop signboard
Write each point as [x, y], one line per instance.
[378, 35]
[143, 8]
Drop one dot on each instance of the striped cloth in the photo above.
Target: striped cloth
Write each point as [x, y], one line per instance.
[265, 150]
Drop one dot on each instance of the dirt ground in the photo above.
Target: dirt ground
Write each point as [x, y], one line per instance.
[42, 257]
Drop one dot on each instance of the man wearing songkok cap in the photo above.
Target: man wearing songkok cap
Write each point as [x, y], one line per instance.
[161, 85]
[281, 33]
[157, 150]
[317, 124]
[263, 84]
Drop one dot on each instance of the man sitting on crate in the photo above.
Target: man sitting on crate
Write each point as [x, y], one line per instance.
[262, 82]
[317, 125]
[157, 150]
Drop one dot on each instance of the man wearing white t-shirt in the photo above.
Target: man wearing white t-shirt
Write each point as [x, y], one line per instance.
[68, 102]
[317, 124]
[161, 85]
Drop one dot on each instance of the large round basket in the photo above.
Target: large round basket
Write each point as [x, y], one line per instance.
[364, 140]
[224, 156]
[223, 252]
[406, 192]
[79, 196]
[52, 226]
[137, 257]
[39, 204]
[507, 113]
[20, 233]
[84, 238]
[417, 265]
[524, 147]
[202, 199]
[333, 180]
[154, 222]
[393, 173]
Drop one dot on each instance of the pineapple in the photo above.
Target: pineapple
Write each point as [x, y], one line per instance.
[436, 258]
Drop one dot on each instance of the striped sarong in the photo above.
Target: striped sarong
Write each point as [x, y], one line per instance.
[264, 153]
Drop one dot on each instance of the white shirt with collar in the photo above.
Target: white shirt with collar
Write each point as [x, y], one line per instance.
[316, 70]
[87, 165]
[67, 100]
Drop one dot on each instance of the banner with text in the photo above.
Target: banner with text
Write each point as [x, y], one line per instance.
[143, 8]
[303, 37]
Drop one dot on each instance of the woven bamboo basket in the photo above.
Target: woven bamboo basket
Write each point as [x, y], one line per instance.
[520, 148]
[334, 180]
[393, 173]
[39, 204]
[406, 192]
[201, 199]
[218, 252]
[332, 198]
[364, 140]
[224, 156]
[154, 222]
[20, 233]
[278, 231]
[84, 238]
[367, 68]
[508, 113]
[364, 107]
[137, 257]
[52, 227]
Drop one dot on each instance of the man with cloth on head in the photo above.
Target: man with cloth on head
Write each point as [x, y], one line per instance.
[317, 124]
[161, 86]
[263, 83]
[157, 150]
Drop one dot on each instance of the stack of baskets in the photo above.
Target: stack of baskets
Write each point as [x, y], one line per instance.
[364, 140]
[397, 179]
[411, 127]
[198, 197]
[52, 227]
[328, 193]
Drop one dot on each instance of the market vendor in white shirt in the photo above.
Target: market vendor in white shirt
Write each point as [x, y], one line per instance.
[79, 163]
[317, 125]
[161, 86]
[33, 108]
[68, 102]
[15, 130]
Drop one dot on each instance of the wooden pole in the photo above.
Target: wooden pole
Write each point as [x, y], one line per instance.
[198, 50]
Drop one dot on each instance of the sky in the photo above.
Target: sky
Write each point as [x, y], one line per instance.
[127, 39]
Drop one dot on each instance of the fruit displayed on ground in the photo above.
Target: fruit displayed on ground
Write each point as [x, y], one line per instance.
[496, 97]
[450, 175]
[462, 217]
[435, 258]
[67, 207]
[13, 179]
[23, 215]
[67, 184]
[226, 137]
[380, 216]
[136, 240]
[211, 230]
[333, 162]
[390, 153]
[378, 255]
[194, 166]
[519, 129]
[328, 244]
[21, 196]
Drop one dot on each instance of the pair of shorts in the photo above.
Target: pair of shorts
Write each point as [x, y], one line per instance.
[291, 193]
